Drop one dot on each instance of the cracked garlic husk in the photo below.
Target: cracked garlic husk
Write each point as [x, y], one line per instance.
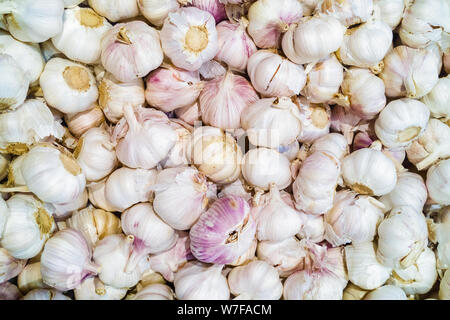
[386, 292]
[10, 267]
[45, 294]
[79, 123]
[155, 291]
[438, 99]
[115, 10]
[156, 11]
[348, 12]
[438, 178]
[30, 278]
[389, 11]
[314, 118]
[13, 89]
[94, 289]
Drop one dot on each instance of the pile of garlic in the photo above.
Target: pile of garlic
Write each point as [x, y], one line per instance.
[224, 149]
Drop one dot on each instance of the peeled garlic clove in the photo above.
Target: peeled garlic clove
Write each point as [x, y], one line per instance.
[363, 268]
[315, 120]
[349, 12]
[268, 20]
[389, 11]
[386, 292]
[444, 292]
[438, 99]
[155, 292]
[94, 289]
[9, 291]
[402, 236]
[224, 99]
[124, 49]
[189, 38]
[27, 227]
[262, 167]
[97, 196]
[45, 294]
[66, 260]
[224, 232]
[170, 88]
[199, 281]
[438, 177]
[9, 266]
[14, 88]
[79, 123]
[401, 122]
[63, 211]
[68, 86]
[30, 278]
[301, 42]
[332, 143]
[115, 10]
[156, 11]
[215, 7]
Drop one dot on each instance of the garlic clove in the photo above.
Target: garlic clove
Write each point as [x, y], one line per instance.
[30, 278]
[437, 100]
[389, 11]
[79, 123]
[314, 118]
[444, 292]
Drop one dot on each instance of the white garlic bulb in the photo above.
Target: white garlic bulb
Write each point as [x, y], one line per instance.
[354, 218]
[9, 266]
[199, 281]
[363, 268]
[349, 12]
[402, 236]
[401, 122]
[269, 19]
[444, 287]
[33, 20]
[368, 171]
[189, 38]
[389, 11]
[155, 291]
[115, 10]
[131, 50]
[438, 177]
[438, 99]
[14, 88]
[313, 39]
[45, 294]
[386, 292]
[257, 280]
[332, 143]
[97, 195]
[178, 155]
[272, 122]
[315, 120]
[65, 210]
[52, 174]
[156, 11]
[79, 123]
[126, 187]
[94, 289]
[95, 154]
[275, 76]
[262, 167]
[68, 86]
[313, 228]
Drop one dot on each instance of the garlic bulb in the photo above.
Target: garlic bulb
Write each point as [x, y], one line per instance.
[115, 10]
[79, 123]
[444, 292]
[94, 289]
[31, 278]
[66, 260]
[9, 291]
[237, 188]
[144, 137]
[313, 228]
[369, 172]
[386, 292]
[88, 28]
[438, 233]
[268, 20]
[112, 255]
[167, 263]
[389, 11]
[401, 122]
[410, 190]
[115, 95]
[354, 218]
[286, 255]
[94, 224]
[68, 86]
[180, 196]
[438, 177]
[332, 143]
[97, 196]
[212, 69]
[189, 114]
[178, 155]
[411, 72]
[33, 20]
[225, 99]
[301, 42]
[216, 154]
[125, 50]
[155, 291]
[65, 210]
[156, 11]
[235, 45]
[349, 12]
[126, 187]
[189, 38]
[199, 281]
[31, 123]
[262, 167]
[402, 236]
[27, 226]
[324, 80]
[95, 154]
[315, 120]
[170, 88]
[9, 266]
[363, 268]
[13, 89]
[418, 278]
[438, 99]
[215, 7]
[224, 232]
[45, 294]
[272, 122]
[257, 280]
[52, 174]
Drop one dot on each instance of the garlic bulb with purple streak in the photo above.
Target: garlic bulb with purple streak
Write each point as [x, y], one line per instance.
[215, 7]
[224, 232]
[10, 267]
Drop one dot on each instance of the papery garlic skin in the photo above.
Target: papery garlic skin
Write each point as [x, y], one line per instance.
[401, 121]
[290, 151]
[348, 12]
[52, 175]
[79, 123]
[199, 281]
[410, 190]
[389, 11]
[363, 268]
[438, 233]
[125, 49]
[301, 45]
[438, 177]
[156, 11]
[155, 291]
[9, 266]
[275, 76]
[94, 289]
[31, 20]
[444, 292]
[115, 10]
[71, 3]
[14, 88]
[257, 280]
[262, 167]
[353, 292]
[225, 99]
[45, 294]
[189, 38]
[224, 232]
[438, 99]
[402, 236]
[315, 120]
[268, 20]
[68, 86]
[386, 292]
